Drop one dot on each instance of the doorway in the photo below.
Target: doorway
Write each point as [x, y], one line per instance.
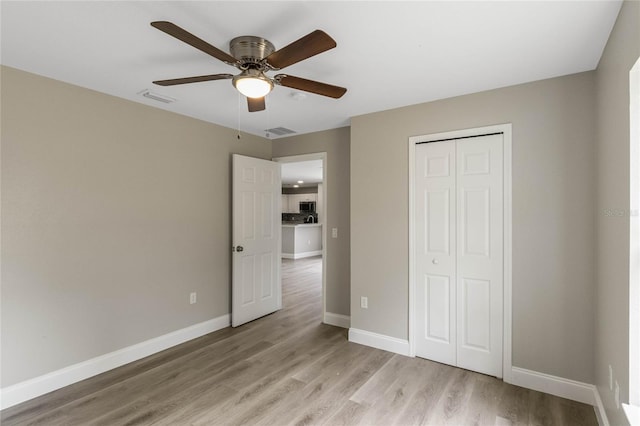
[460, 265]
[304, 235]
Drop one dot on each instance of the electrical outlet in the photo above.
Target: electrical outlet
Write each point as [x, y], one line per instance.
[617, 394]
[610, 377]
[334, 232]
[364, 302]
[193, 298]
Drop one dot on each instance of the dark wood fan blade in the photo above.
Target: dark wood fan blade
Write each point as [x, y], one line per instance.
[303, 48]
[185, 36]
[256, 104]
[310, 86]
[197, 79]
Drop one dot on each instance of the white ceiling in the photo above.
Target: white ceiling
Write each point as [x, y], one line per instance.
[389, 54]
[310, 172]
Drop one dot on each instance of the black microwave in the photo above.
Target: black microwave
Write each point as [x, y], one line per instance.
[307, 206]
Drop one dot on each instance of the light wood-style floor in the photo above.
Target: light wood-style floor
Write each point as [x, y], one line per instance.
[288, 368]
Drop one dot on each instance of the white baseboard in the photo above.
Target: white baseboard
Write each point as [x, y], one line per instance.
[601, 413]
[301, 255]
[29, 389]
[633, 414]
[338, 320]
[554, 385]
[379, 341]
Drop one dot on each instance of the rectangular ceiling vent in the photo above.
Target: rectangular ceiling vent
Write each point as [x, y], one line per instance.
[280, 131]
[156, 97]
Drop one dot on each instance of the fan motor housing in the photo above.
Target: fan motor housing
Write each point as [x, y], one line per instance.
[250, 49]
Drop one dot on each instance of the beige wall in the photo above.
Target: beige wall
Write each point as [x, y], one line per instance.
[553, 217]
[336, 144]
[112, 213]
[612, 307]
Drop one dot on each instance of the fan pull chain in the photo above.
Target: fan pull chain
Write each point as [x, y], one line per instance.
[238, 136]
[268, 135]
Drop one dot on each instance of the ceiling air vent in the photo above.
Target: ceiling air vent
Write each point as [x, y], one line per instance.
[156, 97]
[280, 131]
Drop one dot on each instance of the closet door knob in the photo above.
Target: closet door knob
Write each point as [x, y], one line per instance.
[435, 261]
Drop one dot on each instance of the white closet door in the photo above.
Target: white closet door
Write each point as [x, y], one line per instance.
[459, 252]
[480, 253]
[436, 251]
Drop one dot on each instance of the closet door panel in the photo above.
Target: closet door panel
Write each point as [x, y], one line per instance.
[435, 252]
[479, 259]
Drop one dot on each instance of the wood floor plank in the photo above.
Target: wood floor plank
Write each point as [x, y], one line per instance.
[178, 389]
[290, 369]
[543, 410]
[285, 358]
[397, 402]
[451, 406]
[350, 413]
[328, 392]
[485, 397]
[328, 383]
[425, 400]
[250, 407]
[514, 405]
[379, 382]
[576, 414]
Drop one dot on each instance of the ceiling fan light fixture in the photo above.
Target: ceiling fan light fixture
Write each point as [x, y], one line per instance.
[253, 83]
[254, 56]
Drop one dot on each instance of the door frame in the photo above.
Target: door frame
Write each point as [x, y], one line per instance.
[307, 157]
[634, 235]
[507, 261]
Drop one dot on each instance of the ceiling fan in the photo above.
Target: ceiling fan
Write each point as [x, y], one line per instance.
[254, 56]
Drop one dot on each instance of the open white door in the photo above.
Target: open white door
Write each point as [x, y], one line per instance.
[256, 235]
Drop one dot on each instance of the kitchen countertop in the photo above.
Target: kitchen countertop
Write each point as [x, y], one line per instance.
[302, 225]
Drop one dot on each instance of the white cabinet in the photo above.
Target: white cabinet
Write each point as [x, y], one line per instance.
[292, 202]
[307, 197]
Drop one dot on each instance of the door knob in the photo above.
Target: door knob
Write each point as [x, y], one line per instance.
[239, 248]
[435, 261]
